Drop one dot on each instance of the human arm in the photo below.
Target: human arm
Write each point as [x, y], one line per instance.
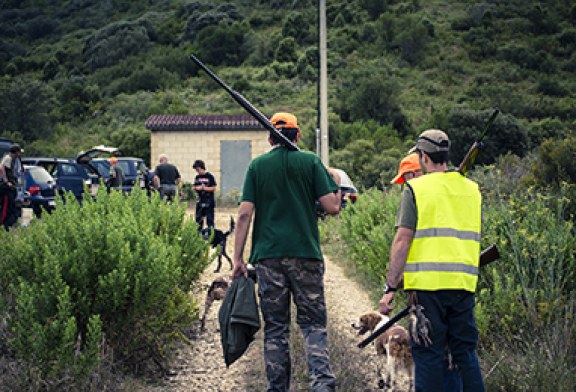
[3, 175]
[245, 213]
[398, 254]
[211, 186]
[331, 202]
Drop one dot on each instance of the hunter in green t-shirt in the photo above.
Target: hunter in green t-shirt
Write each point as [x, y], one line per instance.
[288, 183]
[280, 191]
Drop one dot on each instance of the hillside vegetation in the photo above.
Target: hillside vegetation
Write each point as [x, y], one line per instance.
[78, 73]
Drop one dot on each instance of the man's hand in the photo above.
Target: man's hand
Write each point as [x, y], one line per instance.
[385, 307]
[239, 269]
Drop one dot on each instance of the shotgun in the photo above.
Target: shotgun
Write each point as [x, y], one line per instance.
[262, 119]
[470, 157]
[487, 256]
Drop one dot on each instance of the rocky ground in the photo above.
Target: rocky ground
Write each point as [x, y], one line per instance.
[201, 367]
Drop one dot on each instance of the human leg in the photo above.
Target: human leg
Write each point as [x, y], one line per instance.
[429, 360]
[463, 339]
[10, 211]
[210, 216]
[198, 216]
[307, 281]
[274, 293]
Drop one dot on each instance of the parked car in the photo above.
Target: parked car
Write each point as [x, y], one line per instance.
[135, 170]
[136, 173]
[348, 192]
[69, 175]
[40, 189]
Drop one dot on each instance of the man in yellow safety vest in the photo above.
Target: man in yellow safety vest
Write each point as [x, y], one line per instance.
[436, 248]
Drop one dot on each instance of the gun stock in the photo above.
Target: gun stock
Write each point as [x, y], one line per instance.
[489, 255]
[470, 157]
[262, 119]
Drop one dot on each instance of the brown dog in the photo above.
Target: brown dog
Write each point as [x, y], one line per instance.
[393, 344]
[216, 292]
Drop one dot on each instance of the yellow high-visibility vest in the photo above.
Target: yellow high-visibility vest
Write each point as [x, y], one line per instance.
[445, 250]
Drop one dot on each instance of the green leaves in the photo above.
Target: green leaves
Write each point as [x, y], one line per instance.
[118, 268]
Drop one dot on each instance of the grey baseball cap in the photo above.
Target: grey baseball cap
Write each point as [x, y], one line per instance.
[432, 140]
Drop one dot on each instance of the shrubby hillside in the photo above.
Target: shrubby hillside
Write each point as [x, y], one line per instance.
[98, 69]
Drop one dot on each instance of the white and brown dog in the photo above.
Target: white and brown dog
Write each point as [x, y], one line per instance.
[393, 344]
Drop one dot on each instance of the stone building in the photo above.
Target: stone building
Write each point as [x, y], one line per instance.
[226, 143]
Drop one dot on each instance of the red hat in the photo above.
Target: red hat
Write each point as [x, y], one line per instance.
[411, 163]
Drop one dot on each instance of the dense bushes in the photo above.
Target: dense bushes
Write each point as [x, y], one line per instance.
[112, 274]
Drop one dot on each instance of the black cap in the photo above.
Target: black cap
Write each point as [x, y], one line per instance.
[16, 148]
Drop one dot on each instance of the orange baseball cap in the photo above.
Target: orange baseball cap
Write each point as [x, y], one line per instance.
[284, 120]
[113, 160]
[410, 163]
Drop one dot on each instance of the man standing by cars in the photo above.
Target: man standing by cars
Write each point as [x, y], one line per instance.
[205, 186]
[116, 179]
[166, 178]
[11, 176]
[436, 246]
[280, 188]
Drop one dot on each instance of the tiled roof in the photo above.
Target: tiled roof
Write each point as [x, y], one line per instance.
[183, 122]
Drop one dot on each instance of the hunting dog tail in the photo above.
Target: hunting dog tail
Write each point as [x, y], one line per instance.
[232, 227]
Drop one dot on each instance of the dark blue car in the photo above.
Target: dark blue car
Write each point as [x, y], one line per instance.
[40, 188]
[136, 173]
[68, 174]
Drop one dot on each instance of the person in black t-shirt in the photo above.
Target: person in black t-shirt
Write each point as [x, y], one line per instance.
[205, 186]
[166, 178]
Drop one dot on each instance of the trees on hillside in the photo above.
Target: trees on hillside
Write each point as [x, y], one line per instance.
[465, 125]
[26, 107]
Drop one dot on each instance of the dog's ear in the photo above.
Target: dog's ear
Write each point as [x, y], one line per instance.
[372, 319]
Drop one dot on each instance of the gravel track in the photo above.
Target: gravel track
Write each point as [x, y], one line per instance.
[201, 366]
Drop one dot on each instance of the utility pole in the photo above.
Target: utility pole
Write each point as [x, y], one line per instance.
[323, 84]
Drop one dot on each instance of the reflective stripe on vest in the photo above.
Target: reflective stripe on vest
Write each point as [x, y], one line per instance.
[445, 249]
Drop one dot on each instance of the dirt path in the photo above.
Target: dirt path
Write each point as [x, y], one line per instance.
[201, 367]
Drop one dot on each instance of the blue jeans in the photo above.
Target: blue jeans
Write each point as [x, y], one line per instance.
[451, 313]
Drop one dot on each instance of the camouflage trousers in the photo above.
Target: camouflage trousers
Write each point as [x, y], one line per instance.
[278, 279]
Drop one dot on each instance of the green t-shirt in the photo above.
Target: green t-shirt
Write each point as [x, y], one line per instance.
[283, 185]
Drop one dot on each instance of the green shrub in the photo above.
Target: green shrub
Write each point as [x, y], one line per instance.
[367, 227]
[536, 276]
[116, 272]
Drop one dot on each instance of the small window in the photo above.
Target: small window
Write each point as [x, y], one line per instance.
[68, 170]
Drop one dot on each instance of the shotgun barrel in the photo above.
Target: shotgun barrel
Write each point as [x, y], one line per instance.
[262, 119]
